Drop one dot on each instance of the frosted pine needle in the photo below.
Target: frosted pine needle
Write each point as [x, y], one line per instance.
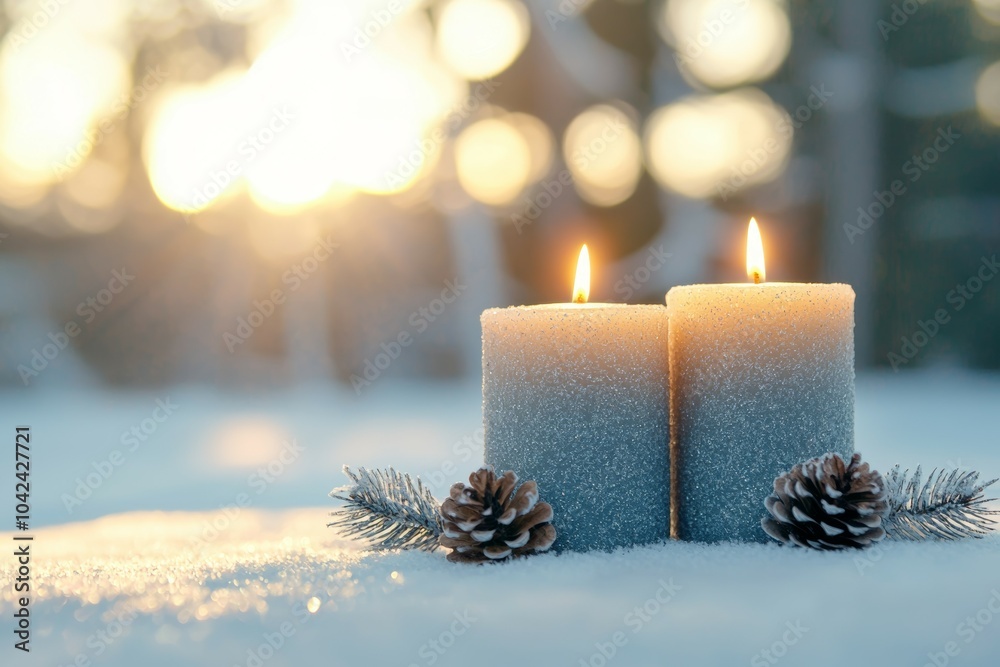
[388, 509]
[947, 505]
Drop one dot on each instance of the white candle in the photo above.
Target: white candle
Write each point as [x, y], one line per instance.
[575, 397]
[762, 378]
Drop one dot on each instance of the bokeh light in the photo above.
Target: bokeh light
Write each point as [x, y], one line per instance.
[346, 129]
[540, 142]
[481, 38]
[724, 43]
[53, 90]
[604, 155]
[493, 161]
[714, 145]
[191, 139]
[246, 442]
[98, 184]
[988, 93]
[989, 10]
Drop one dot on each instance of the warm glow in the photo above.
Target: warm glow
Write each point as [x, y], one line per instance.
[723, 43]
[351, 131]
[603, 152]
[481, 38]
[540, 143]
[581, 287]
[53, 91]
[989, 10]
[493, 161]
[755, 254]
[988, 93]
[717, 145]
[193, 132]
[246, 442]
[314, 118]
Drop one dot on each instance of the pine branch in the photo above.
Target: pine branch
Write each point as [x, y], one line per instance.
[947, 506]
[387, 509]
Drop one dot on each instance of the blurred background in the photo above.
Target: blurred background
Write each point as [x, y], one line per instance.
[209, 147]
[233, 195]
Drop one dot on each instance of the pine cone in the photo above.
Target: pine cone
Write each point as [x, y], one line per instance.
[827, 503]
[486, 521]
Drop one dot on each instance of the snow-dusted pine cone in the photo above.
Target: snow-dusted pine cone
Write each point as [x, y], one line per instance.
[827, 503]
[485, 520]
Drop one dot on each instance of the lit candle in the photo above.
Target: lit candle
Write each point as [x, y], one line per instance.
[762, 378]
[575, 398]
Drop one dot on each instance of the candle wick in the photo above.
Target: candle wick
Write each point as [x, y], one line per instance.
[756, 277]
[579, 299]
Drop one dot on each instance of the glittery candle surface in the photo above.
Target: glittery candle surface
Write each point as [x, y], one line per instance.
[762, 378]
[575, 397]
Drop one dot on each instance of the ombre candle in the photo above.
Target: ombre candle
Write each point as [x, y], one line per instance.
[575, 398]
[761, 378]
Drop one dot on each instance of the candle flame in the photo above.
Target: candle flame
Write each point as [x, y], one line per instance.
[581, 288]
[755, 254]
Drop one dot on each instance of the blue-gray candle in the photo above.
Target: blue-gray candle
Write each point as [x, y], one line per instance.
[762, 378]
[575, 398]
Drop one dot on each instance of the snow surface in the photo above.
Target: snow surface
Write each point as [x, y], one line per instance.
[126, 587]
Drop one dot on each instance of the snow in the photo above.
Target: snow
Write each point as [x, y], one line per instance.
[202, 585]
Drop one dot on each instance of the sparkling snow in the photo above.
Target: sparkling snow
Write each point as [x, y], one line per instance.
[241, 570]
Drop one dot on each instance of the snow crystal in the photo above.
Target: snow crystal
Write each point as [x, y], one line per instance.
[575, 398]
[762, 378]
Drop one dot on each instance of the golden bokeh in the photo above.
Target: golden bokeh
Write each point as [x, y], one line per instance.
[481, 38]
[293, 143]
[493, 161]
[54, 89]
[988, 93]
[603, 153]
[97, 184]
[190, 140]
[540, 142]
[724, 43]
[989, 10]
[715, 145]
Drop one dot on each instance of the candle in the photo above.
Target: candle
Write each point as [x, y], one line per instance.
[575, 398]
[762, 378]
